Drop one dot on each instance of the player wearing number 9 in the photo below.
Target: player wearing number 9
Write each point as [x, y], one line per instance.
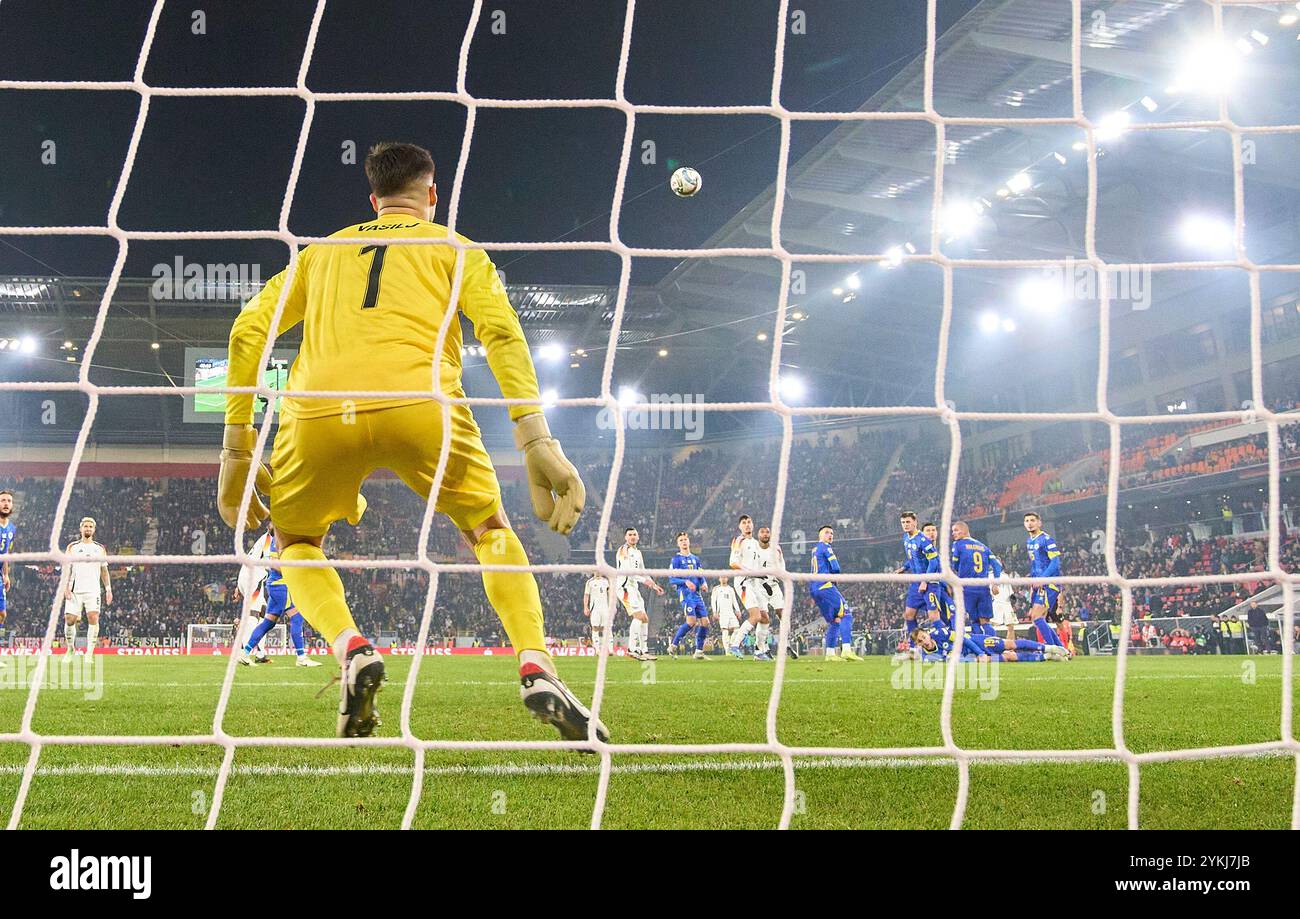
[371, 315]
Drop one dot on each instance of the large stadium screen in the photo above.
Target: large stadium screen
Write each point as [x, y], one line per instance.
[209, 370]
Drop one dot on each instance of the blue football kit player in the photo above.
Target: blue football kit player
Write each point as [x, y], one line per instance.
[935, 643]
[972, 559]
[278, 605]
[830, 602]
[1044, 562]
[938, 595]
[920, 557]
[6, 546]
[688, 592]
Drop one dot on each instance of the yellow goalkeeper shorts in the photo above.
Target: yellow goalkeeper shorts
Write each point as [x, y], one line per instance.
[318, 464]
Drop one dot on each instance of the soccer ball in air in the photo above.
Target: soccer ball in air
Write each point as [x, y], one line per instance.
[685, 182]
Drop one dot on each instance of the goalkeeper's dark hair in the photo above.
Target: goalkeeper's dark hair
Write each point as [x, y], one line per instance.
[743, 518]
[906, 514]
[5, 491]
[393, 167]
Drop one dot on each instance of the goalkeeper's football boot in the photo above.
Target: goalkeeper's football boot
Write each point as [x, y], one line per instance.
[363, 676]
[831, 657]
[700, 656]
[551, 703]
[305, 661]
[848, 655]
[246, 659]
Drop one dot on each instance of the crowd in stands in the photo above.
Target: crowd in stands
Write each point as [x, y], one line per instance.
[833, 477]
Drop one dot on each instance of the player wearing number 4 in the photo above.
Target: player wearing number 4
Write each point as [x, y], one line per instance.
[371, 315]
[81, 593]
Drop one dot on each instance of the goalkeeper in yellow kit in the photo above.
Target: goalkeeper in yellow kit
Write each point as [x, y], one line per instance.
[371, 315]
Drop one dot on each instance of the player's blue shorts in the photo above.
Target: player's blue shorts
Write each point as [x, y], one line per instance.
[692, 604]
[915, 599]
[979, 603]
[277, 600]
[1046, 597]
[830, 602]
[3, 608]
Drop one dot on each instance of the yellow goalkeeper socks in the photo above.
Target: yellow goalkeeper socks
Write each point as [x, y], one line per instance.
[317, 592]
[513, 594]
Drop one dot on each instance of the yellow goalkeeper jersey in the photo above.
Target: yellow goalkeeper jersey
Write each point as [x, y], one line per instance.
[370, 316]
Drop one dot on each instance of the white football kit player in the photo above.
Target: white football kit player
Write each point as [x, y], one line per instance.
[771, 594]
[745, 553]
[629, 586]
[85, 579]
[1004, 614]
[726, 607]
[600, 600]
[252, 578]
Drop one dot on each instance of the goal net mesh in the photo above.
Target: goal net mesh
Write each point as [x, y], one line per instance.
[949, 751]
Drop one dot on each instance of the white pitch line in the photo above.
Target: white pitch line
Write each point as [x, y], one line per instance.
[1056, 677]
[546, 769]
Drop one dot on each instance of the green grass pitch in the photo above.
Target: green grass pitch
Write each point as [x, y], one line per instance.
[1171, 703]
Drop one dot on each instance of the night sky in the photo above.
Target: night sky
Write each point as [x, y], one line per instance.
[533, 175]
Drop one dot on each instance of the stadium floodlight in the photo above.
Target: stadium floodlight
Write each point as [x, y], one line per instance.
[1041, 293]
[28, 345]
[761, 336]
[959, 219]
[1149, 104]
[853, 282]
[989, 321]
[663, 352]
[1020, 183]
[549, 397]
[1008, 325]
[1288, 19]
[1210, 67]
[1259, 36]
[551, 352]
[627, 396]
[1206, 233]
[837, 291]
[153, 345]
[791, 388]
[1113, 125]
[893, 257]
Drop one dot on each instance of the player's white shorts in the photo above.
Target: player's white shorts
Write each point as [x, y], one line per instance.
[728, 620]
[775, 596]
[631, 599]
[81, 601]
[752, 594]
[1004, 614]
[602, 618]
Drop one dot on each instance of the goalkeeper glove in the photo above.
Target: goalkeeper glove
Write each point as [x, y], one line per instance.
[236, 458]
[550, 475]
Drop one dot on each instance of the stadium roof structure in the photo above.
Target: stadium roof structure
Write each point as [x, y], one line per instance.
[868, 334]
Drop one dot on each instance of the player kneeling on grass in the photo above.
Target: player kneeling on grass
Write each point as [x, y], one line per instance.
[82, 591]
[371, 315]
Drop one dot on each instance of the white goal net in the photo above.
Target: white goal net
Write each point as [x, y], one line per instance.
[947, 752]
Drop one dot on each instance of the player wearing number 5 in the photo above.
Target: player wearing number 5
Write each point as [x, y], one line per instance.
[370, 317]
